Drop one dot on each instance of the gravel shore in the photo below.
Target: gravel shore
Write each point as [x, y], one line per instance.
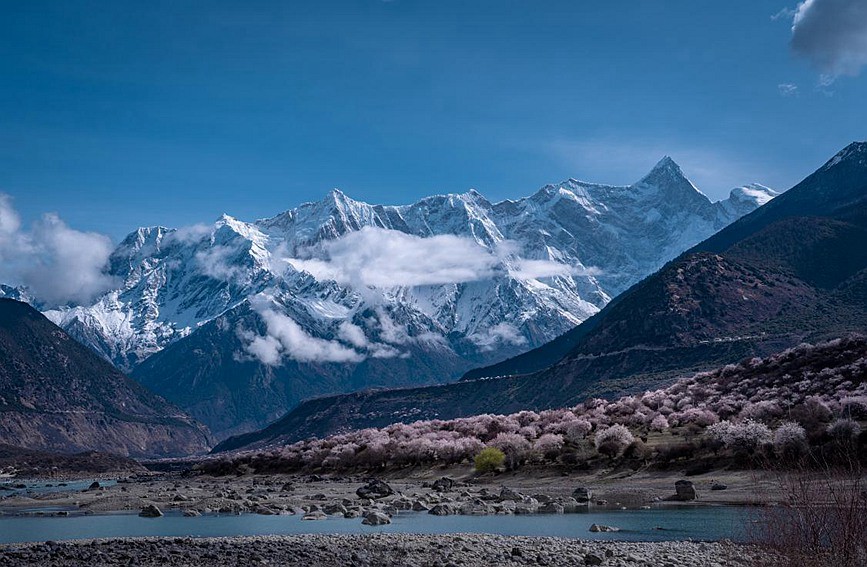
[279, 494]
[379, 550]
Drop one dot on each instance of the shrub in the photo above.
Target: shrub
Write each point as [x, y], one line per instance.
[746, 435]
[854, 407]
[489, 460]
[790, 440]
[578, 430]
[637, 450]
[515, 447]
[613, 440]
[659, 423]
[844, 429]
[548, 445]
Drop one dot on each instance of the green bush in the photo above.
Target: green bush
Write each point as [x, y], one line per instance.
[489, 460]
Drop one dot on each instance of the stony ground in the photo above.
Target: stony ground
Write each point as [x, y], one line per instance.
[379, 550]
[276, 494]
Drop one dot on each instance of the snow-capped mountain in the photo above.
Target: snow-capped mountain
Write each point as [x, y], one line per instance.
[342, 282]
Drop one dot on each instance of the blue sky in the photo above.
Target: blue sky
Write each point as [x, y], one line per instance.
[120, 114]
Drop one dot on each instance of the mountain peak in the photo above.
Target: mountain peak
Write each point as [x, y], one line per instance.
[666, 163]
[473, 196]
[667, 178]
[856, 152]
[665, 169]
[338, 199]
[754, 192]
[336, 195]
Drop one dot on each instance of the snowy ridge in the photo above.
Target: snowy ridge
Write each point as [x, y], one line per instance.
[340, 280]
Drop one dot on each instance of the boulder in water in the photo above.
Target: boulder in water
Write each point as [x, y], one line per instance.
[150, 511]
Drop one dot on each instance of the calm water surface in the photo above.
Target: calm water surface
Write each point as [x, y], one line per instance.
[658, 524]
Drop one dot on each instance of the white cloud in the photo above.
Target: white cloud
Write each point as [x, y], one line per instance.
[787, 89]
[501, 333]
[784, 14]
[390, 332]
[525, 269]
[58, 264]
[10, 222]
[377, 258]
[352, 334]
[386, 351]
[266, 349]
[381, 258]
[286, 338]
[832, 35]
[216, 262]
[190, 234]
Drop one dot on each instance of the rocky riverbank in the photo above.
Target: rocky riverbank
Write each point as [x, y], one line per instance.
[356, 496]
[379, 550]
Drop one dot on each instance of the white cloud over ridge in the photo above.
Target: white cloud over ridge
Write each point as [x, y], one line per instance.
[58, 264]
[499, 334]
[215, 262]
[382, 258]
[286, 338]
[832, 35]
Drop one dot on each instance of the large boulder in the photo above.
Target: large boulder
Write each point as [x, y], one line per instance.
[685, 490]
[376, 519]
[509, 494]
[150, 511]
[551, 508]
[600, 528]
[582, 495]
[374, 489]
[571, 506]
[332, 509]
[527, 506]
[475, 507]
[445, 484]
[442, 510]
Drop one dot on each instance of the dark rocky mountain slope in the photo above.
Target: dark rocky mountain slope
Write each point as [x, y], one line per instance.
[57, 395]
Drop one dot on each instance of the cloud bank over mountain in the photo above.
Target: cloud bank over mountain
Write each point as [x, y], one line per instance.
[58, 264]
